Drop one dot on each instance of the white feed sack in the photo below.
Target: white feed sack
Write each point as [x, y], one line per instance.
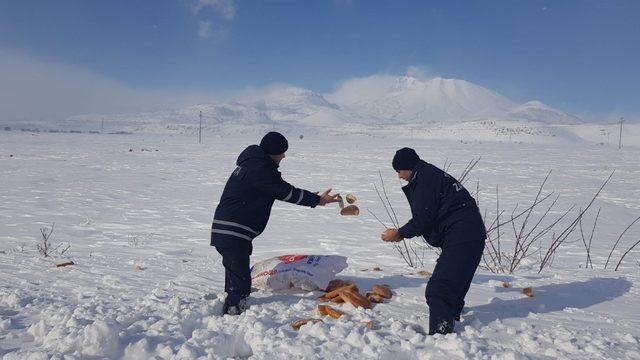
[303, 272]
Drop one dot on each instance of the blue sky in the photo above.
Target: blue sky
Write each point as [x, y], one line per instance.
[578, 56]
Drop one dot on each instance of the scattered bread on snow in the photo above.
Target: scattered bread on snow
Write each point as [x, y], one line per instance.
[383, 291]
[325, 310]
[330, 295]
[65, 264]
[356, 299]
[374, 298]
[350, 210]
[369, 324]
[350, 198]
[299, 323]
[336, 284]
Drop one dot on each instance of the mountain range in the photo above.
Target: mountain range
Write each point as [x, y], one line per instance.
[375, 100]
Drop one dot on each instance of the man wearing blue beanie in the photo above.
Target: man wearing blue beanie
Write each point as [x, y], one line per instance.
[446, 215]
[244, 209]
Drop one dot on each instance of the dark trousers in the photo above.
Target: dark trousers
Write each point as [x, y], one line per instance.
[461, 253]
[237, 274]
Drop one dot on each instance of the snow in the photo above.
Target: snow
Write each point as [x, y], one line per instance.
[147, 284]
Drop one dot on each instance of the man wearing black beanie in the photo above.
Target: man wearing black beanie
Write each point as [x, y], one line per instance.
[274, 143]
[446, 215]
[244, 209]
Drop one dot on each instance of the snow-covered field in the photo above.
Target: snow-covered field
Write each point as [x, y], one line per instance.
[136, 210]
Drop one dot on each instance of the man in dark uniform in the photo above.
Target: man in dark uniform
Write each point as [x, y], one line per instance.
[244, 210]
[447, 216]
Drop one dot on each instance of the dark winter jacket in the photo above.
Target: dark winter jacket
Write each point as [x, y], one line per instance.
[247, 198]
[438, 203]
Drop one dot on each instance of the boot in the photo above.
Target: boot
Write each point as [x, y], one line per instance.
[442, 327]
[236, 309]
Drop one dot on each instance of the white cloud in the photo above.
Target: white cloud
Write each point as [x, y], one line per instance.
[209, 10]
[39, 90]
[204, 29]
[223, 8]
[419, 72]
[355, 90]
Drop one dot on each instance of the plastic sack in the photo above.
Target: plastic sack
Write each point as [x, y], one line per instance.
[303, 272]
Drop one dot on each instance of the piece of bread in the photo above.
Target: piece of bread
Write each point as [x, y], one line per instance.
[299, 323]
[325, 310]
[330, 295]
[350, 210]
[350, 198]
[383, 291]
[369, 324]
[336, 284]
[65, 264]
[374, 298]
[356, 299]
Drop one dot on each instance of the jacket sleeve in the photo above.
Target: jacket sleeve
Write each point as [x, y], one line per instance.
[425, 201]
[272, 184]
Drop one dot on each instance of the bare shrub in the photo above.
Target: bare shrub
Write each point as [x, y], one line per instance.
[587, 244]
[529, 232]
[45, 246]
[139, 240]
[406, 248]
[625, 254]
[133, 240]
[613, 248]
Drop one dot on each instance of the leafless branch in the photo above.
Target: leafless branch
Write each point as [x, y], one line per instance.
[625, 254]
[617, 241]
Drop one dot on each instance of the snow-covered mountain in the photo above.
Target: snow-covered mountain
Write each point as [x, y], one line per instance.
[278, 105]
[539, 112]
[407, 99]
[376, 100]
[295, 105]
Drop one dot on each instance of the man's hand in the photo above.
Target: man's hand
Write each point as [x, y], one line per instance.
[326, 198]
[391, 235]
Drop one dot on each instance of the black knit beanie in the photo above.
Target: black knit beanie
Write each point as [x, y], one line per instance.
[405, 159]
[274, 143]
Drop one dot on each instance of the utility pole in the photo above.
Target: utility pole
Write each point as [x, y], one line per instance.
[102, 126]
[200, 129]
[620, 138]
